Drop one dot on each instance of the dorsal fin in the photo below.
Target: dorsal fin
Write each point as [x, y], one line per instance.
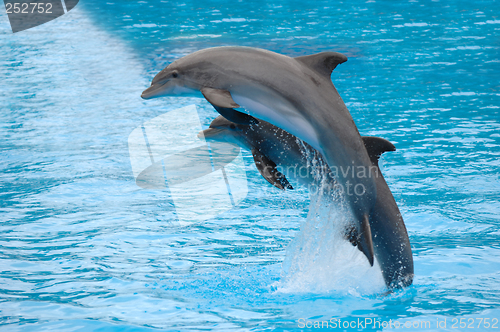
[376, 146]
[324, 62]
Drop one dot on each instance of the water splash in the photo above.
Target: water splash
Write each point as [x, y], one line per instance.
[320, 259]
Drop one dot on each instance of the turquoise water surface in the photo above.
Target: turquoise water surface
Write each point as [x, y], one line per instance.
[83, 248]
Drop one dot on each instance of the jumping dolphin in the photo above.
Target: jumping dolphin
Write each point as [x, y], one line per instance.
[274, 148]
[295, 94]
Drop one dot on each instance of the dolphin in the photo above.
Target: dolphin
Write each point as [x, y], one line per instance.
[274, 148]
[295, 94]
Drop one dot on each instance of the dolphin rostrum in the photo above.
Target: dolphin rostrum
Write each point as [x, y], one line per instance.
[274, 148]
[295, 94]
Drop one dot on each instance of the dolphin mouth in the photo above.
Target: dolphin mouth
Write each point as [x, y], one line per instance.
[209, 133]
[152, 91]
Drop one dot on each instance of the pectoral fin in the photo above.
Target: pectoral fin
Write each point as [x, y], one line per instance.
[268, 170]
[220, 98]
[235, 116]
[223, 103]
[362, 238]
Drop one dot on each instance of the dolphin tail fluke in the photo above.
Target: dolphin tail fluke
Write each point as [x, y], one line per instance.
[364, 239]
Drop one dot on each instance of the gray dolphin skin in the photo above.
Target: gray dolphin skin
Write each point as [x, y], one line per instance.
[272, 147]
[265, 141]
[295, 94]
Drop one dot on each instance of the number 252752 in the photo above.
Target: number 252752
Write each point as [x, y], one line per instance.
[25, 8]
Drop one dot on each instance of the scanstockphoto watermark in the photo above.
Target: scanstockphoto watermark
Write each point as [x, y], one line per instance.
[325, 178]
[26, 14]
[458, 323]
[362, 323]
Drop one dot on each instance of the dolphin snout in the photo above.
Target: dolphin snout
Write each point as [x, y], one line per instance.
[152, 91]
[145, 94]
[158, 81]
[211, 134]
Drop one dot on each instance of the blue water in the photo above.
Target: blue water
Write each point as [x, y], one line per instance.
[83, 248]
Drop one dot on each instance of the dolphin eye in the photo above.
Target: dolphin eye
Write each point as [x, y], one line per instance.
[232, 126]
[175, 74]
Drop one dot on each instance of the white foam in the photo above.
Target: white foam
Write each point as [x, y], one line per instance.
[320, 259]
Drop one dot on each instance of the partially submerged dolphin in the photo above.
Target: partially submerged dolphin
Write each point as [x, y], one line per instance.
[274, 148]
[295, 94]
